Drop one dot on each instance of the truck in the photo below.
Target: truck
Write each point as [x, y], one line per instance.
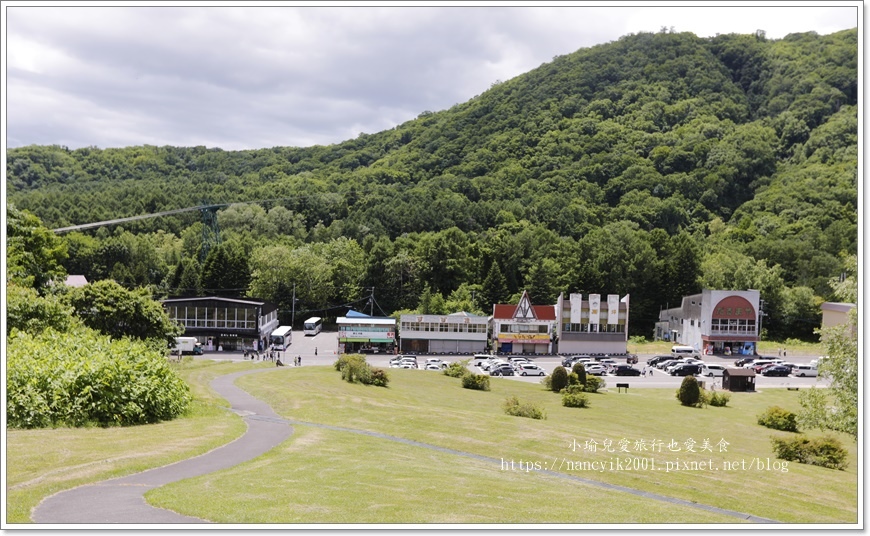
[187, 345]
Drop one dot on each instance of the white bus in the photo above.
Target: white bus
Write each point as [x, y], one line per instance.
[280, 338]
[313, 325]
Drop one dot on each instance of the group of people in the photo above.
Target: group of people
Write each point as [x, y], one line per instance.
[297, 361]
[645, 369]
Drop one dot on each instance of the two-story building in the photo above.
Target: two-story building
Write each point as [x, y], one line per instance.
[725, 322]
[523, 328]
[456, 333]
[358, 332]
[233, 324]
[591, 326]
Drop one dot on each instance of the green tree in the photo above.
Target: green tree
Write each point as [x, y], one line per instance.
[113, 310]
[495, 288]
[27, 311]
[34, 255]
[836, 408]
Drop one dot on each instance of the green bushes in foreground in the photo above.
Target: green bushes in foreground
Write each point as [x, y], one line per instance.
[353, 368]
[513, 406]
[479, 382]
[80, 377]
[779, 419]
[824, 451]
[574, 396]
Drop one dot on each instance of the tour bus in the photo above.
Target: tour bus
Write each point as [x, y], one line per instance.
[313, 325]
[280, 338]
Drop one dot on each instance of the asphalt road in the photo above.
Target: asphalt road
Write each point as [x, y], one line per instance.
[322, 348]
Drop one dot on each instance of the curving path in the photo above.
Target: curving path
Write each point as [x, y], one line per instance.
[121, 500]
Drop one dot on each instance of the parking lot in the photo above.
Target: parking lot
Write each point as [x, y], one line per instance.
[321, 350]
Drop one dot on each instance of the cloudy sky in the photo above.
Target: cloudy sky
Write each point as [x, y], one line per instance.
[286, 75]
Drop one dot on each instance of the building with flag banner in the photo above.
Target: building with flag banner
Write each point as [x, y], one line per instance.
[724, 322]
[360, 333]
[523, 328]
[595, 325]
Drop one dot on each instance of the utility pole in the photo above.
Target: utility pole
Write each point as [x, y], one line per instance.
[372, 303]
[293, 317]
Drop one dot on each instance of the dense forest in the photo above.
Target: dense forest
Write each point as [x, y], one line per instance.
[655, 165]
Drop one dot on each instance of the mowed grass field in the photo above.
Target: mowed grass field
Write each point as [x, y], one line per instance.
[323, 475]
[40, 463]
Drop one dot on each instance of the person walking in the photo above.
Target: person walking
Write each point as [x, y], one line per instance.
[315, 350]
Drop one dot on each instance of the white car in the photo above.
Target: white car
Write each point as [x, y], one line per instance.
[432, 366]
[480, 359]
[805, 371]
[435, 361]
[530, 369]
[712, 370]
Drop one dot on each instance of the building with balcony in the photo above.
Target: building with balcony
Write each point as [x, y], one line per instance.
[233, 324]
[523, 328]
[725, 322]
[590, 326]
[456, 333]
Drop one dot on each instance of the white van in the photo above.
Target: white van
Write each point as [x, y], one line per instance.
[801, 371]
[682, 351]
[712, 370]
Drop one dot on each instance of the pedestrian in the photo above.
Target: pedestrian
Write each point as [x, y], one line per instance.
[315, 350]
[650, 371]
[300, 360]
[784, 353]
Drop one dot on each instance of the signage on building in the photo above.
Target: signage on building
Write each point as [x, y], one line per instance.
[524, 337]
[594, 308]
[364, 334]
[576, 308]
[613, 309]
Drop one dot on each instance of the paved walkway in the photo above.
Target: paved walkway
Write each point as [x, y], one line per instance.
[121, 500]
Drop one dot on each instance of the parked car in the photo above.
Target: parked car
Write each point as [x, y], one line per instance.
[743, 361]
[675, 364]
[518, 360]
[569, 361]
[432, 366]
[802, 371]
[631, 359]
[711, 370]
[655, 360]
[489, 363]
[436, 361]
[776, 370]
[625, 370]
[503, 369]
[685, 369]
[399, 358]
[664, 364]
[530, 369]
[596, 370]
[480, 358]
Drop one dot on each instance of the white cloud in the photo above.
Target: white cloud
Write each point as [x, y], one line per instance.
[250, 77]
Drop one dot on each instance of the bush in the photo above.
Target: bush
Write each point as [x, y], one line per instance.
[573, 379]
[547, 381]
[689, 393]
[593, 384]
[574, 397]
[559, 379]
[456, 369]
[719, 400]
[637, 339]
[354, 369]
[823, 451]
[479, 382]
[580, 371]
[779, 419]
[82, 377]
[512, 406]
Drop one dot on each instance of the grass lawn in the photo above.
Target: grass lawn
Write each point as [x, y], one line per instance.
[328, 476]
[43, 462]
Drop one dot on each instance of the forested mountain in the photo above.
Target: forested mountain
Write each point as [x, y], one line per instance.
[653, 165]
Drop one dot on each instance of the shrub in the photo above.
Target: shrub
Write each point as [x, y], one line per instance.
[779, 419]
[548, 382]
[823, 451]
[574, 397]
[456, 369]
[82, 377]
[689, 393]
[573, 379]
[580, 371]
[593, 384]
[478, 382]
[354, 369]
[719, 399]
[513, 406]
[559, 379]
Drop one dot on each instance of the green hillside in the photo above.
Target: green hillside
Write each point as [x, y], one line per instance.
[652, 165]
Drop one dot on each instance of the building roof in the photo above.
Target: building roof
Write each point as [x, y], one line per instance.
[244, 301]
[506, 311]
[740, 372]
[366, 320]
[838, 307]
[75, 281]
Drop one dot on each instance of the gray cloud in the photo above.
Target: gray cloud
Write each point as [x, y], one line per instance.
[251, 77]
